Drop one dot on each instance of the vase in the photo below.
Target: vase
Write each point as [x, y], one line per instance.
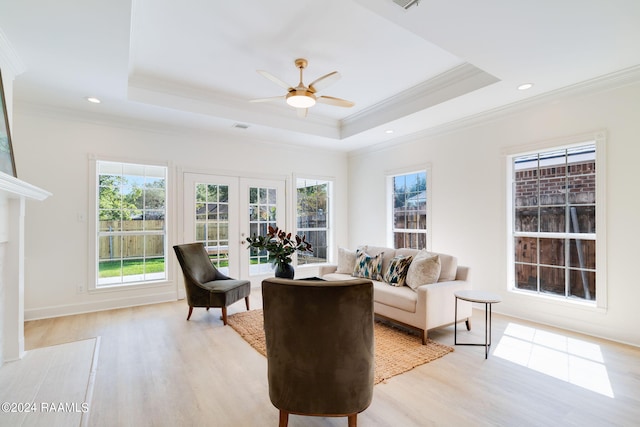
[285, 271]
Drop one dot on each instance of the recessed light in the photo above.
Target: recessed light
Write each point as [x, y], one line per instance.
[388, 131]
[93, 99]
[525, 86]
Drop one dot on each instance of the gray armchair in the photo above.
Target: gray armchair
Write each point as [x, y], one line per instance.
[319, 338]
[205, 286]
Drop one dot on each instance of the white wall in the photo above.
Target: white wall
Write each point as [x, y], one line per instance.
[468, 199]
[52, 151]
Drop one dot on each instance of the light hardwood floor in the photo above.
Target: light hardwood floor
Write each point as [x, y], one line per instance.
[157, 369]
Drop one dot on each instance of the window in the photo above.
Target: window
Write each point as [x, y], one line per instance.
[409, 210]
[131, 231]
[313, 204]
[554, 205]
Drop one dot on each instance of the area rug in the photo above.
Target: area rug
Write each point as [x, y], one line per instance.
[396, 351]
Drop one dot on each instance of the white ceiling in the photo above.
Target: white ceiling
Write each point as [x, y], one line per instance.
[193, 62]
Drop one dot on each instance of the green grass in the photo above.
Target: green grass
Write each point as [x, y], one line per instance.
[153, 265]
[130, 267]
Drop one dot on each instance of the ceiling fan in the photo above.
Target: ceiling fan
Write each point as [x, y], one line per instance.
[302, 97]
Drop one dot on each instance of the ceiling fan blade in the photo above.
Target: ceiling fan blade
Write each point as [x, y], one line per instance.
[302, 112]
[274, 79]
[270, 99]
[335, 101]
[324, 81]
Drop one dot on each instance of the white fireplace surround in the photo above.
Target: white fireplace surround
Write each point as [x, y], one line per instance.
[14, 194]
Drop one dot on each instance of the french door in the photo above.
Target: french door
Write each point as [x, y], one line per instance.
[222, 211]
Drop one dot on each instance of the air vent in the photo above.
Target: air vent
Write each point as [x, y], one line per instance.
[241, 125]
[406, 4]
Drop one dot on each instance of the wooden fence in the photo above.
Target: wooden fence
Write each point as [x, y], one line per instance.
[115, 246]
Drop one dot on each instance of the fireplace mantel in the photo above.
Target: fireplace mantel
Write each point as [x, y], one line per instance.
[13, 196]
[16, 188]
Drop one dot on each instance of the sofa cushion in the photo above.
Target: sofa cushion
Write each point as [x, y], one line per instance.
[401, 297]
[396, 274]
[367, 266]
[448, 267]
[346, 260]
[424, 269]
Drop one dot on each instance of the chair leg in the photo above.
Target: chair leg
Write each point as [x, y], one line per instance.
[224, 315]
[284, 419]
[190, 311]
[424, 337]
[353, 420]
[468, 324]
[246, 301]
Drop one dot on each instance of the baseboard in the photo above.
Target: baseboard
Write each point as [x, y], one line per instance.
[89, 307]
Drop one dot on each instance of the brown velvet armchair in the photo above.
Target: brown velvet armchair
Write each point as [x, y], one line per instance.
[205, 286]
[319, 338]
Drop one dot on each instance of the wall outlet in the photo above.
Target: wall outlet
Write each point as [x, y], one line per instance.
[80, 289]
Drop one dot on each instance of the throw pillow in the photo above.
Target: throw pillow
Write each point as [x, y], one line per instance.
[424, 270]
[367, 266]
[346, 261]
[396, 274]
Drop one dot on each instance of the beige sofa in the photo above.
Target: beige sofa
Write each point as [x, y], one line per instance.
[428, 306]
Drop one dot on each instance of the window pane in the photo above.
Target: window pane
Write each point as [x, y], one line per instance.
[552, 219]
[526, 219]
[582, 254]
[154, 246]
[526, 249]
[552, 280]
[526, 184]
[212, 232]
[583, 219]
[582, 284]
[200, 231]
[526, 277]
[552, 252]
[223, 193]
[212, 193]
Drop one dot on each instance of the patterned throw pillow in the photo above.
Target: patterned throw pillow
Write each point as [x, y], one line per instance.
[396, 274]
[368, 267]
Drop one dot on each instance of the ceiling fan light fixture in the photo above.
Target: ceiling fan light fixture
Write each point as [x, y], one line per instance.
[301, 99]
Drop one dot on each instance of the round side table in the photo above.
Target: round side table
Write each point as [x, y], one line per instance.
[482, 297]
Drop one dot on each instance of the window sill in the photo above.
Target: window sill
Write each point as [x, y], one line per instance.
[559, 301]
[129, 286]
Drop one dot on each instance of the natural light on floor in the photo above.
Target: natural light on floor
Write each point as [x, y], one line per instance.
[568, 359]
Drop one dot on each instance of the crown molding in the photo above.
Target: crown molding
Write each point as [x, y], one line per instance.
[460, 80]
[605, 82]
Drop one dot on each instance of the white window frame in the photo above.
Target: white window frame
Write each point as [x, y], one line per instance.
[599, 138]
[93, 240]
[330, 181]
[390, 175]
